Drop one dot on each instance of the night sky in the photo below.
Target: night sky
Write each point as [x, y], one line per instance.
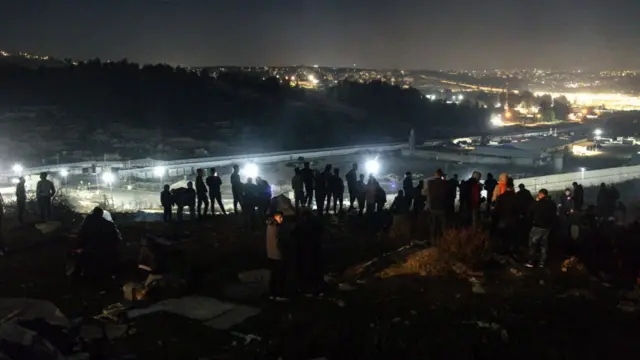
[407, 34]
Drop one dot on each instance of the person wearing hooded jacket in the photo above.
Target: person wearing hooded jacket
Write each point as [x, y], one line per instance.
[507, 218]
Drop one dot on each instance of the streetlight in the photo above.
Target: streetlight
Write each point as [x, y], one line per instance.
[108, 178]
[597, 132]
[250, 170]
[64, 173]
[17, 168]
[159, 171]
[372, 166]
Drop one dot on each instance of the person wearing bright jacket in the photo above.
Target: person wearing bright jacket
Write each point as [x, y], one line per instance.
[501, 188]
[277, 268]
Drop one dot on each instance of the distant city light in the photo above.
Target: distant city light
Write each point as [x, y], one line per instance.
[598, 132]
[17, 168]
[507, 114]
[108, 178]
[460, 97]
[250, 170]
[64, 172]
[372, 166]
[158, 171]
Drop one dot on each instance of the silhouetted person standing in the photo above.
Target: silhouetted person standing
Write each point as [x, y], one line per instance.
[201, 191]
[263, 198]
[298, 189]
[320, 191]
[307, 179]
[44, 192]
[490, 185]
[578, 196]
[21, 199]
[507, 218]
[337, 188]
[407, 187]
[236, 188]
[352, 185]
[327, 176]
[166, 199]
[452, 192]
[436, 204]
[185, 197]
[214, 182]
[361, 190]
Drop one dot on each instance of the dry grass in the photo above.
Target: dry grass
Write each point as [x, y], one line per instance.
[470, 247]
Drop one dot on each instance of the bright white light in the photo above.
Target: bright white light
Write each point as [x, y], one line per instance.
[108, 178]
[460, 97]
[64, 172]
[597, 132]
[313, 79]
[17, 168]
[372, 166]
[158, 171]
[497, 121]
[250, 170]
[15, 180]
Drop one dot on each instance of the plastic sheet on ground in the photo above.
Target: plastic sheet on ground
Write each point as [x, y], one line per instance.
[24, 309]
[211, 312]
[48, 227]
[20, 343]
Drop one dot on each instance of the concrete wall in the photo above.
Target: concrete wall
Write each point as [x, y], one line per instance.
[589, 178]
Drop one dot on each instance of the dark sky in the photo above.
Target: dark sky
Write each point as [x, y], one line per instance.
[409, 34]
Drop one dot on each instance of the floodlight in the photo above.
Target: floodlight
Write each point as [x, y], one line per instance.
[158, 171]
[108, 178]
[250, 170]
[372, 166]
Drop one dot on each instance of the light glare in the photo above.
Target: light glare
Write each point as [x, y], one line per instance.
[250, 170]
[108, 178]
[372, 166]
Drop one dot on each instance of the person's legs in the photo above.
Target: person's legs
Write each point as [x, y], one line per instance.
[179, 212]
[340, 199]
[48, 207]
[320, 203]
[219, 201]
[544, 246]
[352, 199]
[21, 209]
[41, 208]
[167, 214]
[328, 202]
[535, 236]
[192, 212]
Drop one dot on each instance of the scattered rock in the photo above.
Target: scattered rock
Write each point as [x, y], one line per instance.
[627, 306]
[541, 282]
[346, 287]
[478, 289]
[515, 272]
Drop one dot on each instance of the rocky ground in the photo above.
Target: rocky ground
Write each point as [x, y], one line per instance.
[385, 299]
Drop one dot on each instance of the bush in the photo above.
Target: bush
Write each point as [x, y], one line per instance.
[467, 246]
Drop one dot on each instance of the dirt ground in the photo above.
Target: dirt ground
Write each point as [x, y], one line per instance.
[523, 314]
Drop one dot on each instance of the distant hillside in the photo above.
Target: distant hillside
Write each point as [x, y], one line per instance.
[29, 60]
[121, 108]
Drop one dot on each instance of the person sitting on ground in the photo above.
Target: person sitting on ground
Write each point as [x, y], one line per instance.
[275, 254]
[98, 242]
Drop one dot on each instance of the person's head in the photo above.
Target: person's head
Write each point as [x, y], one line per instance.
[236, 168]
[567, 192]
[336, 172]
[249, 180]
[327, 168]
[21, 180]
[355, 166]
[306, 164]
[543, 193]
[200, 172]
[603, 185]
[510, 184]
[401, 193]
[575, 184]
[439, 173]
[521, 186]
[361, 177]
[166, 187]
[421, 183]
[43, 175]
[476, 175]
[189, 184]
[213, 171]
[407, 174]
[278, 217]
[455, 177]
[296, 170]
[489, 176]
[97, 211]
[258, 179]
